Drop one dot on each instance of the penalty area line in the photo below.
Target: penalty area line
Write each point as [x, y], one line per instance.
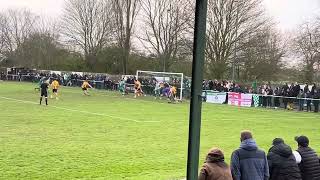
[81, 111]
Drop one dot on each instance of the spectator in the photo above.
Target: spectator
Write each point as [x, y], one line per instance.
[296, 89]
[309, 165]
[285, 93]
[308, 96]
[316, 97]
[237, 89]
[306, 88]
[264, 92]
[301, 100]
[211, 85]
[314, 87]
[269, 98]
[292, 94]
[214, 167]
[282, 163]
[277, 92]
[248, 162]
[285, 87]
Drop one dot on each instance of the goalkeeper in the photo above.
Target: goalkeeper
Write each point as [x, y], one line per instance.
[158, 90]
[122, 87]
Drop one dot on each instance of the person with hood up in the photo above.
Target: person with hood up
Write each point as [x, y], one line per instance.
[282, 162]
[248, 162]
[215, 167]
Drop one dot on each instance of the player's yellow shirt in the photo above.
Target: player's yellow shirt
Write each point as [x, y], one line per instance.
[137, 85]
[173, 90]
[55, 84]
[85, 84]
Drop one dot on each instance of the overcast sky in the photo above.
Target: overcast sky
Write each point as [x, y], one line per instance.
[288, 13]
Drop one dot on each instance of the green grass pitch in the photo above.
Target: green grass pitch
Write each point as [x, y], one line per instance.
[107, 136]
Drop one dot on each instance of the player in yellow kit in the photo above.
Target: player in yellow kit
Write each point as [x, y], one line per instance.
[173, 93]
[137, 88]
[55, 86]
[85, 86]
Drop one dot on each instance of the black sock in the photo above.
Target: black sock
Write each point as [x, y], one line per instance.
[46, 101]
[40, 100]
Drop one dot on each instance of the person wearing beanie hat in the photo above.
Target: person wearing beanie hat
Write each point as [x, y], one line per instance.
[277, 141]
[215, 167]
[281, 161]
[309, 165]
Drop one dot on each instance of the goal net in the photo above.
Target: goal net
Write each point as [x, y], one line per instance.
[149, 78]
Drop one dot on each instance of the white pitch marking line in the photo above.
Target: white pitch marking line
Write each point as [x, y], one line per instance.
[86, 112]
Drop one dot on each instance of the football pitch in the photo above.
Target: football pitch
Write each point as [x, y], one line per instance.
[107, 136]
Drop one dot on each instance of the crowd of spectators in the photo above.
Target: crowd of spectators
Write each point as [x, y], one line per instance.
[99, 81]
[249, 162]
[299, 96]
[225, 86]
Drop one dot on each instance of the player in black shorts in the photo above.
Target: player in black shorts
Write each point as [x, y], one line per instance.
[44, 91]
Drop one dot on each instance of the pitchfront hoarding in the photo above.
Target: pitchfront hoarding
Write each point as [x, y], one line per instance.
[216, 97]
[239, 99]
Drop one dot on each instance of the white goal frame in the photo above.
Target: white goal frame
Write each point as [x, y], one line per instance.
[168, 73]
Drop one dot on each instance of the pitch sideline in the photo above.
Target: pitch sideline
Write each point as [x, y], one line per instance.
[75, 110]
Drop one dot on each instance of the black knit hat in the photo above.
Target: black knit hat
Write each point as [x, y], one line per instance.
[302, 141]
[277, 141]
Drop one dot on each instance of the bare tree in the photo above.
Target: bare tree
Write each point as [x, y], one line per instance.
[2, 36]
[16, 25]
[307, 44]
[166, 24]
[229, 21]
[88, 25]
[261, 54]
[125, 12]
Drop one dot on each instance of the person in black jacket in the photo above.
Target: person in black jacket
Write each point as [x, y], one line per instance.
[309, 165]
[291, 96]
[308, 96]
[316, 97]
[269, 99]
[282, 163]
[277, 92]
[314, 87]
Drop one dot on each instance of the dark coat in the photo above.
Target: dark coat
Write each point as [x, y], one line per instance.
[282, 163]
[296, 90]
[312, 89]
[249, 163]
[215, 168]
[309, 166]
[316, 95]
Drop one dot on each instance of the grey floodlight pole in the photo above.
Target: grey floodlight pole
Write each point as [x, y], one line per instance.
[196, 89]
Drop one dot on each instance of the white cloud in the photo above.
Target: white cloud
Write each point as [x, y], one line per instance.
[290, 13]
[47, 7]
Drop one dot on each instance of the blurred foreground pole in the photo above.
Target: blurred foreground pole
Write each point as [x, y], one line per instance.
[196, 89]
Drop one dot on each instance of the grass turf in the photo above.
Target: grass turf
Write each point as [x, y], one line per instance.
[107, 136]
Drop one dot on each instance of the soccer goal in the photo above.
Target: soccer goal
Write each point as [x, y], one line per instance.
[174, 79]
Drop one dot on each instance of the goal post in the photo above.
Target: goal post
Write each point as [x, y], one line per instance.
[165, 76]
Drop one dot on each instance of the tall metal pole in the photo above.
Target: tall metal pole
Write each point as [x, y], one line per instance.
[196, 89]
